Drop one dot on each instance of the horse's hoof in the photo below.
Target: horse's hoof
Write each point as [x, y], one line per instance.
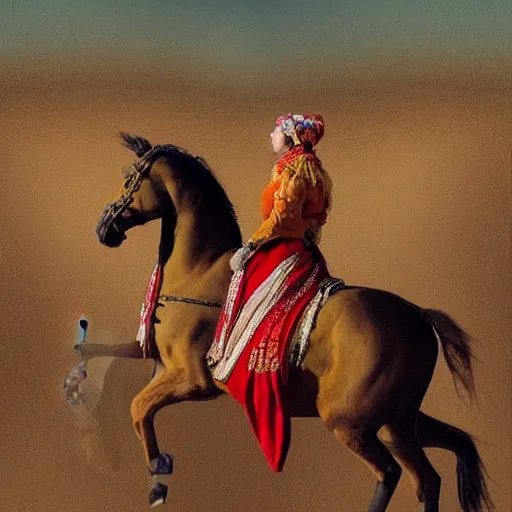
[158, 495]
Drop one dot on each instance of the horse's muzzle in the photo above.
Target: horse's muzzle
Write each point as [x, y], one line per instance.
[110, 230]
[110, 234]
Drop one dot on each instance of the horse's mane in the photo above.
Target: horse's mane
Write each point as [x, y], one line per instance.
[193, 172]
[139, 145]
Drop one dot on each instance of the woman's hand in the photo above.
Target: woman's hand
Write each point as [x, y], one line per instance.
[239, 259]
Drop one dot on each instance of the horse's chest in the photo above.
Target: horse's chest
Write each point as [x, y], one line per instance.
[184, 323]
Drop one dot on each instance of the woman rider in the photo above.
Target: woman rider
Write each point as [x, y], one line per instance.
[280, 281]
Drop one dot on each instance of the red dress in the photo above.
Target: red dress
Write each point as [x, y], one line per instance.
[272, 302]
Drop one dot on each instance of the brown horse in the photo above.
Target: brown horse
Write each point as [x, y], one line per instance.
[370, 358]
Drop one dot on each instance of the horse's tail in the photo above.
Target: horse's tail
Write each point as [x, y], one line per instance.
[471, 486]
[456, 348]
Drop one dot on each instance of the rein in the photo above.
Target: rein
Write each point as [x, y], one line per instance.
[200, 302]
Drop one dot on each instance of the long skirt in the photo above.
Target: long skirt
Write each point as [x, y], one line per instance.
[268, 315]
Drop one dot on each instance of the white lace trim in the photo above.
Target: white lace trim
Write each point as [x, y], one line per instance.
[300, 339]
[218, 347]
[252, 314]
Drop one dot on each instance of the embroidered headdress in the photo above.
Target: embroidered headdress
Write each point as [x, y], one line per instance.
[302, 128]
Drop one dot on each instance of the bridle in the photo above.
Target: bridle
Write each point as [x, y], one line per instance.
[134, 175]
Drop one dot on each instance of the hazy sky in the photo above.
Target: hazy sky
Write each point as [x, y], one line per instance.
[254, 33]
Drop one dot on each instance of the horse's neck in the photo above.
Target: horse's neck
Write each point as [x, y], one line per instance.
[197, 245]
[167, 239]
[202, 233]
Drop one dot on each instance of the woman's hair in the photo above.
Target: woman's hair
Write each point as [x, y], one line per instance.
[308, 146]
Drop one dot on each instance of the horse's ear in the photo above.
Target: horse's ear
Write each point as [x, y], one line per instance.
[137, 144]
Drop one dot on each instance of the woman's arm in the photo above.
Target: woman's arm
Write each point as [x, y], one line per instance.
[288, 204]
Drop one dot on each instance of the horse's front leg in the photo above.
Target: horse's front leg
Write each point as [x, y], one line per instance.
[125, 350]
[169, 387]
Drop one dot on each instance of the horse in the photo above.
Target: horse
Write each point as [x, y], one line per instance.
[370, 357]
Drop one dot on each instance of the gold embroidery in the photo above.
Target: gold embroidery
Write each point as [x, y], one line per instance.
[300, 204]
[265, 357]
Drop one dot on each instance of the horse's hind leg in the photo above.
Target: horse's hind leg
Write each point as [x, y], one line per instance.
[366, 445]
[471, 485]
[404, 445]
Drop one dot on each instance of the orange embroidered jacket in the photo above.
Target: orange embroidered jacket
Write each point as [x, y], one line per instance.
[296, 201]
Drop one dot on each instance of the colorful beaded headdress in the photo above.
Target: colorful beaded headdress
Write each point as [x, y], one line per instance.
[302, 128]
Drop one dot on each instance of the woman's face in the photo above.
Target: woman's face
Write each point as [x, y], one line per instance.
[279, 142]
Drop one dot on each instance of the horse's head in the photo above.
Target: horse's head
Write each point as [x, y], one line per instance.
[142, 197]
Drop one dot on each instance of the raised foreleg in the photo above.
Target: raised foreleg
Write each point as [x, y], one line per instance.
[169, 387]
[125, 350]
